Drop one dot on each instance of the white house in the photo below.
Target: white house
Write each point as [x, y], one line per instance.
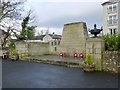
[47, 38]
[111, 17]
[53, 39]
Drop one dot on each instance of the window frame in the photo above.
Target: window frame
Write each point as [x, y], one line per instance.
[112, 8]
[112, 19]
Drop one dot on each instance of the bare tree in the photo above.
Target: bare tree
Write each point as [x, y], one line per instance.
[11, 8]
[11, 14]
[40, 33]
[9, 29]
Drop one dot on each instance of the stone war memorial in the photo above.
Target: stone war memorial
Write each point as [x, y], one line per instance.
[75, 39]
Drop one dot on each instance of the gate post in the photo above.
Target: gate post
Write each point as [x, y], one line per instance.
[95, 47]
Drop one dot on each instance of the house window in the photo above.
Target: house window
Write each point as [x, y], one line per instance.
[110, 31]
[112, 20]
[114, 30]
[52, 43]
[112, 8]
[58, 42]
[55, 48]
[55, 43]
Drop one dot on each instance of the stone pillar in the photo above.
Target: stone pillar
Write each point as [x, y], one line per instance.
[95, 47]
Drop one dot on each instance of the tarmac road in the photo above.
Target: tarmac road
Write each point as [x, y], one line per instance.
[22, 74]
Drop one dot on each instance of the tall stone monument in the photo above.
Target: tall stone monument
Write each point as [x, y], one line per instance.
[73, 38]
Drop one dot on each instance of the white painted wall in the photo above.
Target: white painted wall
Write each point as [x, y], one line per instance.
[47, 38]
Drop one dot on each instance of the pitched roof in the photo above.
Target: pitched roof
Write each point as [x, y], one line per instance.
[105, 3]
[54, 36]
[110, 1]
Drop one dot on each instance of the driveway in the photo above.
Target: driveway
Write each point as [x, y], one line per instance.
[22, 74]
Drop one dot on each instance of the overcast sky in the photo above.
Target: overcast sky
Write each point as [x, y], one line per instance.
[55, 13]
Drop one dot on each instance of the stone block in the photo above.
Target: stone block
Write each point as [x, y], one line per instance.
[89, 45]
[97, 45]
[87, 51]
[98, 51]
[97, 56]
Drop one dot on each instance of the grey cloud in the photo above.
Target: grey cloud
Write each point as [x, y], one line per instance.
[59, 22]
[55, 15]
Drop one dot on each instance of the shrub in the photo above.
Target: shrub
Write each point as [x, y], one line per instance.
[88, 59]
[14, 52]
[112, 42]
